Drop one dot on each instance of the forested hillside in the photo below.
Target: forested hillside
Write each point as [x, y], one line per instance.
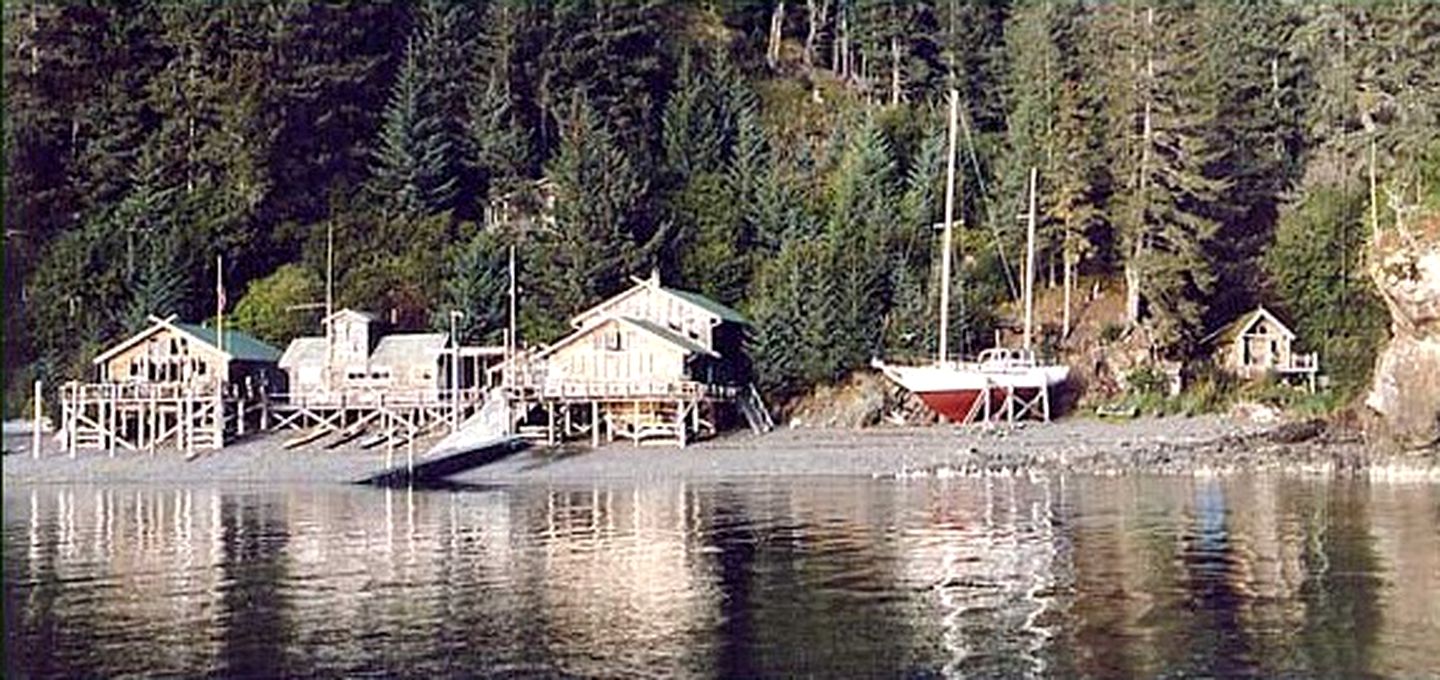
[783, 157]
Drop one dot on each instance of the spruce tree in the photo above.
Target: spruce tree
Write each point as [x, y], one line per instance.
[599, 235]
[859, 224]
[411, 175]
[1167, 216]
[477, 281]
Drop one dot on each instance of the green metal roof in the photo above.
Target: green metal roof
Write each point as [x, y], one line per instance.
[722, 311]
[241, 346]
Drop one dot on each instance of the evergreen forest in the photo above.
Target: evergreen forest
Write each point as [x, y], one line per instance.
[784, 158]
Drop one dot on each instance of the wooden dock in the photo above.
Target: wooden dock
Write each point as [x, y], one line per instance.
[145, 416]
[641, 412]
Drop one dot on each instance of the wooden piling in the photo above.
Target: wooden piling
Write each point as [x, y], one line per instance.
[35, 433]
[595, 424]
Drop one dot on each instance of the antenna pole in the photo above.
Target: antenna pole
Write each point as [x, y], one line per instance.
[329, 304]
[511, 350]
[947, 239]
[1030, 263]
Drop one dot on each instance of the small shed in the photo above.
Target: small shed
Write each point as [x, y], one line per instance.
[1257, 344]
[626, 349]
[171, 352]
[304, 363]
[410, 362]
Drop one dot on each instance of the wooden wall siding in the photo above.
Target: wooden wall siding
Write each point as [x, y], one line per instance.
[352, 342]
[640, 357]
[1261, 349]
[167, 356]
[669, 311]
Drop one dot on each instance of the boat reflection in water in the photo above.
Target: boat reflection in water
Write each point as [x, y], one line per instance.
[1000, 578]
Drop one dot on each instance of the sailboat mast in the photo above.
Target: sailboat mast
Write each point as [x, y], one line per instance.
[1030, 263]
[945, 241]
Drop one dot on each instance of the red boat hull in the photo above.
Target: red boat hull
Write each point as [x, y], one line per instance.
[956, 406]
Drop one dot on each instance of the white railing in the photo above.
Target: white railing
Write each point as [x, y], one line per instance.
[1302, 363]
[625, 389]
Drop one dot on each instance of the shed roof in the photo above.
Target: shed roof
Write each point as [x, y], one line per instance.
[399, 349]
[304, 352]
[239, 345]
[1242, 324]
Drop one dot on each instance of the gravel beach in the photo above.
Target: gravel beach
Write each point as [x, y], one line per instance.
[1198, 445]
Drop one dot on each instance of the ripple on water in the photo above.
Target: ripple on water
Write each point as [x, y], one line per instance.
[977, 577]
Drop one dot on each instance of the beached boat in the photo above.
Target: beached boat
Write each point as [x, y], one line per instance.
[1002, 382]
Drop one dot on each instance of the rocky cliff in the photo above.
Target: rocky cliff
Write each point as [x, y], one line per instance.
[1406, 389]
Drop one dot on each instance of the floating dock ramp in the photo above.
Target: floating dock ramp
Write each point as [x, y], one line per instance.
[480, 439]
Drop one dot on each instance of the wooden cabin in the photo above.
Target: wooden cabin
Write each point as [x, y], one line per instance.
[1258, 344]
[713, 326]
[650, 363]
[171, 352]
[626, 350]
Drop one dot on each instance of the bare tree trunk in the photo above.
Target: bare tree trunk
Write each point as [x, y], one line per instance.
[777, 22]
[817, 12]
[845, 61]
[1069, 267]
[894, 71]
[1132, 271]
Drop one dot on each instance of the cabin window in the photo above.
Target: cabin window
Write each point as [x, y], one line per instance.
[174, 346]
[614, 340]
[380, 375]
[200, 367]
[355, 375]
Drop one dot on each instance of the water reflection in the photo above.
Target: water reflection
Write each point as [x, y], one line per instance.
[991, 578]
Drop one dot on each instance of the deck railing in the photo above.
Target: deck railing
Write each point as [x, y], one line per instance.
[623, 389]
[1302, 363]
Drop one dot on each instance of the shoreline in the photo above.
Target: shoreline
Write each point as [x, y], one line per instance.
[1199, 446]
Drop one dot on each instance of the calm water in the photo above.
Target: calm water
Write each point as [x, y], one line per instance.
[1133, 577]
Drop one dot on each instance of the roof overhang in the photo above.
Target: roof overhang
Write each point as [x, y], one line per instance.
[158, 324]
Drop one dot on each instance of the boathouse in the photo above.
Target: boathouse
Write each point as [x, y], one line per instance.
[651, 363]
[1258, 344]
[171, 383]
[170, 352]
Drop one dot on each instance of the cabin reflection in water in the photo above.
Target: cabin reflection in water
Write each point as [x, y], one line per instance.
[1068, 577]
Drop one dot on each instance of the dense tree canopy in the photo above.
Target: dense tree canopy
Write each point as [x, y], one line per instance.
[1203, 156]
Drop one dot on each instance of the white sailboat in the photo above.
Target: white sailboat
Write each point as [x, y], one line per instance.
[1004, 379]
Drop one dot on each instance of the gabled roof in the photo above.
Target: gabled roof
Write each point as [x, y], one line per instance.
[687, 345]
[716, 309]
[400, 349]
[1242, 324]
[724, 312]
[367, 317]
[239, 346]
[304, 352]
